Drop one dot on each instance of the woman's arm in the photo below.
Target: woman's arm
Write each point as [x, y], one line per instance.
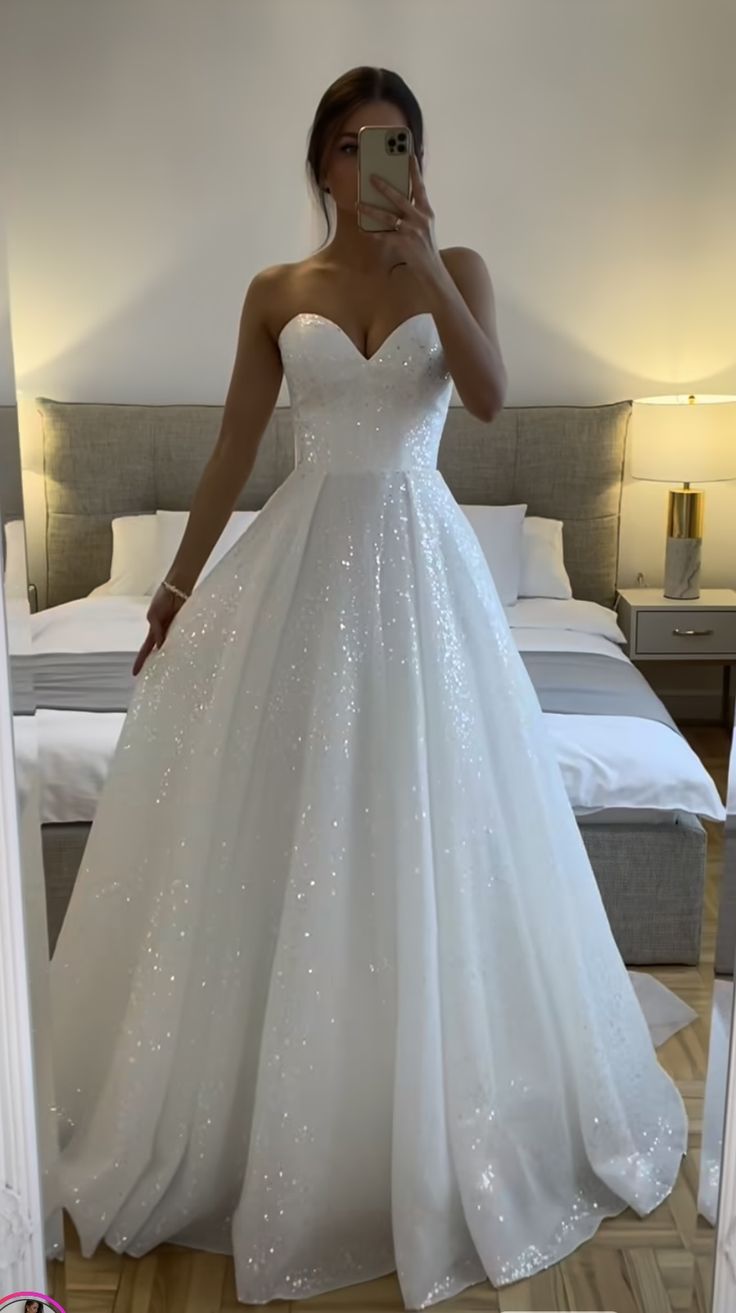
[463, 304]
[252, 395]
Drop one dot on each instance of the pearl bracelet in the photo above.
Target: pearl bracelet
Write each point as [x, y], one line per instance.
[173, 589]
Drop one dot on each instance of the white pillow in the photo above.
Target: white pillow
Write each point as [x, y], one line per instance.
[170, 530]
[14, 571]
[499, 532]
[543, 572]
[133, 565]
[575, 613]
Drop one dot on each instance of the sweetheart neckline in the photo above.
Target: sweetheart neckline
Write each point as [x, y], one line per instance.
[314, 314]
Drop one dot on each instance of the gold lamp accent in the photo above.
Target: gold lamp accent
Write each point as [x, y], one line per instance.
[691, 439]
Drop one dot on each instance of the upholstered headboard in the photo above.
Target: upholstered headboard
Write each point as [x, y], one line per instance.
[11, 480]
[103, 460]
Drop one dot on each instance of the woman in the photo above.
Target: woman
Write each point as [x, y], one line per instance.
[336, 992]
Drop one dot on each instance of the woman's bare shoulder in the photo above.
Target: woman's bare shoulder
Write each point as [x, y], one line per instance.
[276, 286]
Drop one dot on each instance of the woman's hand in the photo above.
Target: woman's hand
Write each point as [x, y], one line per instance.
[159, 615]
[414, 244]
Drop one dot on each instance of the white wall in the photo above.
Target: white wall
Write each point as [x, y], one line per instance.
[7, 373]
[585, 147]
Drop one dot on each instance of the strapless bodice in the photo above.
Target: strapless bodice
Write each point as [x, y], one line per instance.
[352, 412]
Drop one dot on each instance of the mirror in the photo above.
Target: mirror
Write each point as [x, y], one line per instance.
[715, 1236]
[28, 1137]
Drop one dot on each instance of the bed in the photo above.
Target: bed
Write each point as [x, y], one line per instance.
[638, 790]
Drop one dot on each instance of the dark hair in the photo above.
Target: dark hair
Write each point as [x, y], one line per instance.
[357, 87]
[32, 1305]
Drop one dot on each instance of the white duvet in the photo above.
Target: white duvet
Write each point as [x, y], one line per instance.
[614, 767]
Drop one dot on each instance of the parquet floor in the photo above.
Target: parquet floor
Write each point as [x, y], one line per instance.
[659, 1264]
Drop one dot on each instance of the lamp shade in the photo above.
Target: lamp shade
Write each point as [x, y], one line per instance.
[683, 439]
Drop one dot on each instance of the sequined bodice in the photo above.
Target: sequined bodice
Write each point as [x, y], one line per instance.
[352, 412]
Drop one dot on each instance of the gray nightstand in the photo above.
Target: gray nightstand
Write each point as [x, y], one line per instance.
[660, 628]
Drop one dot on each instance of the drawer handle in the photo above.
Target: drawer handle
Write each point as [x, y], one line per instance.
[687, 632]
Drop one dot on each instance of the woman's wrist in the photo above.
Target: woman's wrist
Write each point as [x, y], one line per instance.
[175, 589]
[180, 578]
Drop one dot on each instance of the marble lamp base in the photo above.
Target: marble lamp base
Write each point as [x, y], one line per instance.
[682, 567]
[685, 511]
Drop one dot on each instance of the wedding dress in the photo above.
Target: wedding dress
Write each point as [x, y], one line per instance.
[336, 992]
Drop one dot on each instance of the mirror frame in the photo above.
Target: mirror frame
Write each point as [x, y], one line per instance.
[23, 1265]
[724, 1246]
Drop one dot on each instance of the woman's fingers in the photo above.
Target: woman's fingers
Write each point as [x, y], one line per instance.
[158, 627]
[144, 651]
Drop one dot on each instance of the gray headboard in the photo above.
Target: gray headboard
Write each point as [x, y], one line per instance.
[102, 460]
[11, 480]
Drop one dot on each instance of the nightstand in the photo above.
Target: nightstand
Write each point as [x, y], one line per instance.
[660, 628]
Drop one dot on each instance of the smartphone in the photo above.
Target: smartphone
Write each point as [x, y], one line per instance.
[385, 152]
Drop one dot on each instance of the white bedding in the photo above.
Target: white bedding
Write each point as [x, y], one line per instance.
[614, 767]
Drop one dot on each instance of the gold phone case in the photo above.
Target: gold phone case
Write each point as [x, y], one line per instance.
[380, 152]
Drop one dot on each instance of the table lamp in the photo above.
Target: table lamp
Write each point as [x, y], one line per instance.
[686, 439]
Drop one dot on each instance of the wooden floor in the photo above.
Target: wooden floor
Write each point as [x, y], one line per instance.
[659, 1264]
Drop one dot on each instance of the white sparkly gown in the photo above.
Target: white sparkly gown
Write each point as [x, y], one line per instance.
[336, 992]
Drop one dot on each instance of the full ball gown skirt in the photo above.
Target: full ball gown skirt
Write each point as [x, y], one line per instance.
[336, 992]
